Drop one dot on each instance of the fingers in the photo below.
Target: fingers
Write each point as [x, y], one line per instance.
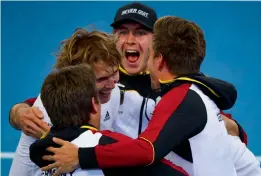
[33, 126]
[37, 112]
[59, 141]
[51, 149]
[41, 124]
[45, 126]
[49, 167]
[32, 129]
[31, 132]
[48, 157]
[37, 117]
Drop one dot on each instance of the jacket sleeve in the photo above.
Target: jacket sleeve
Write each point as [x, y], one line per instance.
[164, 167]
[242, 133]
[171, 118]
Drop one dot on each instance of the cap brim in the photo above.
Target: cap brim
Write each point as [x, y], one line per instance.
[116, 24]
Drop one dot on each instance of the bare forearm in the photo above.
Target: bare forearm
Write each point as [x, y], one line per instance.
[14, 117]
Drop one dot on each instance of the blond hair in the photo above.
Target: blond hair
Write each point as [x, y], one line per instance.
[88, 47]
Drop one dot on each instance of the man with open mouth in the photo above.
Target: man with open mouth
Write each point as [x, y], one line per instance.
[133, 27]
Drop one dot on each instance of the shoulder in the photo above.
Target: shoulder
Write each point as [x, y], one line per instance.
[181, 98]
[38, 102]
[88, 138]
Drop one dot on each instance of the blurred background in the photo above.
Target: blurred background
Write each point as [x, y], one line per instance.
[32, 31]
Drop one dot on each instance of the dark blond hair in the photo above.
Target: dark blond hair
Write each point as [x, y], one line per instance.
[181, 43]
[88, 47]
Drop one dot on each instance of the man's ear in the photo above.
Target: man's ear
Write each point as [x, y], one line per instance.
[160, 62]
[95, 106]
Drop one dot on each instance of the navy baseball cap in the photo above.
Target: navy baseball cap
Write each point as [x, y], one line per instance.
[136, 12]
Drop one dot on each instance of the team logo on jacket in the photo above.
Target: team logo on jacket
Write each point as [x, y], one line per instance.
[107, 116]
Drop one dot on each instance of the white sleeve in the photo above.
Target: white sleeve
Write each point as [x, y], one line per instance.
[22, 165]
[244, 160]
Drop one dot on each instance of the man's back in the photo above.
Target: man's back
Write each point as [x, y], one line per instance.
[210, 147]
[202, 143]
[192, 124]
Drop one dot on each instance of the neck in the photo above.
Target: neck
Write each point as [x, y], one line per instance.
[165, 76]
[94, 121]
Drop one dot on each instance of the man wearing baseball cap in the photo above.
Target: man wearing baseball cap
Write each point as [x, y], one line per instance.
[133, 25]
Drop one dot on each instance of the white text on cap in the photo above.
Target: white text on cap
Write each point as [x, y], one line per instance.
[140, 12]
